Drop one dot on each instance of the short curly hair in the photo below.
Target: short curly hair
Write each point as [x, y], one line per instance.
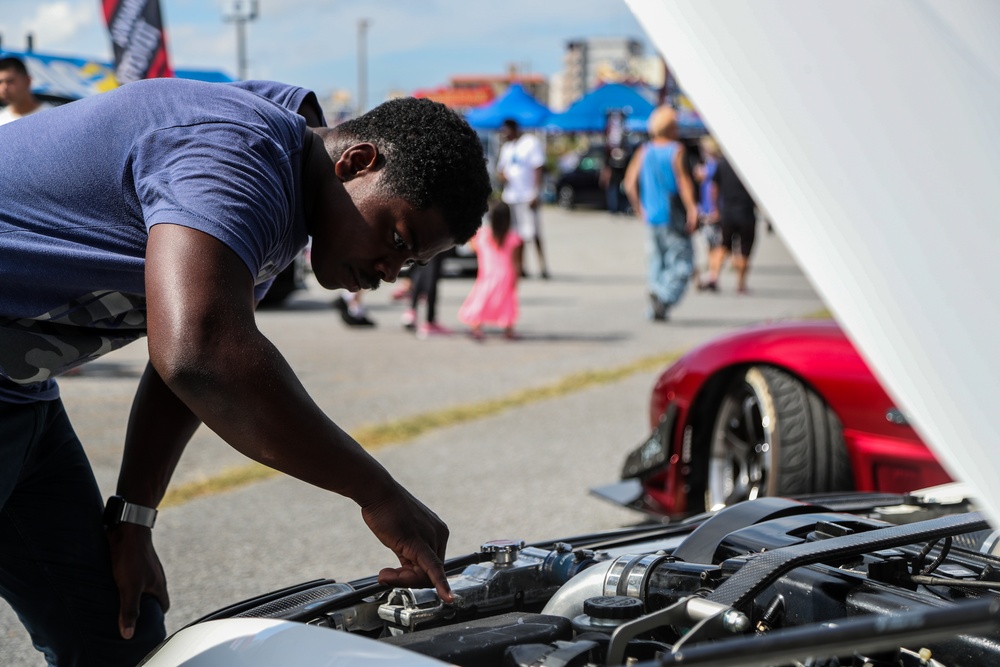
[432, 158]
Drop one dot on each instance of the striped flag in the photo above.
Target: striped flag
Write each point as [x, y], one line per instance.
[140, 44]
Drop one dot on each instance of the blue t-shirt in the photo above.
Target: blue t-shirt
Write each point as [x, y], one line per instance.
[657, 182]
[82, 184]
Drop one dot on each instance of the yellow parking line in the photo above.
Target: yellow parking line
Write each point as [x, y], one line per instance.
[402, 430]
[409, 428]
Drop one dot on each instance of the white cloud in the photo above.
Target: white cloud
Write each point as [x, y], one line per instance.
[60, 23]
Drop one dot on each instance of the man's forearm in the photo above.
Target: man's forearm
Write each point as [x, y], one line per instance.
[244, 390]
[160, 426]
[205, 345]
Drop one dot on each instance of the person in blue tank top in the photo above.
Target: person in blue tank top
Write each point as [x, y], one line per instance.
[163, 209]
[661, 192]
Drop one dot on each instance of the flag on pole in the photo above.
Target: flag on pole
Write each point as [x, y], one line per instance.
[140, 44]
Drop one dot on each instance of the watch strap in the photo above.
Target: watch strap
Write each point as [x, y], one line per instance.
[144, 516]
[118, 510]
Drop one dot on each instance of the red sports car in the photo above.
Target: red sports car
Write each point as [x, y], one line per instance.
[778, 409]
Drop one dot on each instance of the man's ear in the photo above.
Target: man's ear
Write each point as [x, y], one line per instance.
[357, 159]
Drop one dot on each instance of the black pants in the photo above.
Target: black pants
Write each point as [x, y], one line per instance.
[55, 565]
[425, 284]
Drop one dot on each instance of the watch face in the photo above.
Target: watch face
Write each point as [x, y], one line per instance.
[113, 511]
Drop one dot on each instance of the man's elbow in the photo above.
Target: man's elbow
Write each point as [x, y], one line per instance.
[182, 365]
[193, 357]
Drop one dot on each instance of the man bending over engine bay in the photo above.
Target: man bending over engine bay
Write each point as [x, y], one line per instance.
[164, 209]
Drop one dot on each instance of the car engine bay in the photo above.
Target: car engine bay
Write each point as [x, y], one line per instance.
[853, 579]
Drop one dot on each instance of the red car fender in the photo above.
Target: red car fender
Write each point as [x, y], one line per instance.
[885, 452]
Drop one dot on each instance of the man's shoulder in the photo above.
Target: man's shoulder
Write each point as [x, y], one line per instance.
[286, 95]
[192, 94]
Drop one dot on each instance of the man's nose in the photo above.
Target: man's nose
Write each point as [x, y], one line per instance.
[389, 269]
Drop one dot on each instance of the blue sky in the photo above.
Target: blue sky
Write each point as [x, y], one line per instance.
[314, 43]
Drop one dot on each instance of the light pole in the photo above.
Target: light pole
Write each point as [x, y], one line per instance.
[362, 65]
[241, 18]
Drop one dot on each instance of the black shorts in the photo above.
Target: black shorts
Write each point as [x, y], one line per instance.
[744, 230]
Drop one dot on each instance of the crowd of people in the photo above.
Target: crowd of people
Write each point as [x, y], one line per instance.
[678, 189]
[684, 190]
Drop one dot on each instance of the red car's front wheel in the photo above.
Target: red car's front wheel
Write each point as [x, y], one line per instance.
[773, 435]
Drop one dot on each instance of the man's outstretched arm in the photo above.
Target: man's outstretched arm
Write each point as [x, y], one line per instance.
[160, 426]
[205, 345]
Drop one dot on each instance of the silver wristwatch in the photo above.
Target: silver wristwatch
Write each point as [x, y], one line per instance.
[118, 510]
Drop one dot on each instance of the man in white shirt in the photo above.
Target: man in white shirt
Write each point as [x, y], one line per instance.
[15, 91]
[520, 167]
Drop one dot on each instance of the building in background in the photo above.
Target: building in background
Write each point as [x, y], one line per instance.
[467, 91]
[589, 62]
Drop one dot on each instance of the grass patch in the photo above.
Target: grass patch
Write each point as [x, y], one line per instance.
[373, 437]
[227, 480]
[402, 430]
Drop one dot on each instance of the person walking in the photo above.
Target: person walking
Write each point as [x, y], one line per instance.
[520, 168]
[708, 215]
[737, 213]
[612, 175]
[15, 91]
[493, 298]
[186, 199]
[424, 289]
[662, 193]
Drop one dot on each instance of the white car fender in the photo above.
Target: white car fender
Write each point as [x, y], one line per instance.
[253, 642]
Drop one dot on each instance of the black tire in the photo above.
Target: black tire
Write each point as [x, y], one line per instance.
[566, 196]
[773, 436]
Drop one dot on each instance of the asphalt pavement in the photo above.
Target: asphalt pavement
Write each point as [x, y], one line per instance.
[522, 472]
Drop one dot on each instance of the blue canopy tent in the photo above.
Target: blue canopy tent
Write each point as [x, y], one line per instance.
[589, 113]
[516, 103]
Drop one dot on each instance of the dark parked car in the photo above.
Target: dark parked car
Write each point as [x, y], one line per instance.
[581, 186]
[291, 279]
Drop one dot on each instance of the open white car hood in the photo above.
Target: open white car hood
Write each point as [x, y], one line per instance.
[870, 132]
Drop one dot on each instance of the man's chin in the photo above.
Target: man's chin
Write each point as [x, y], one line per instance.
[330, 282]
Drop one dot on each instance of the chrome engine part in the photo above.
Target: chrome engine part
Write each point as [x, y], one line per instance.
[770, 583]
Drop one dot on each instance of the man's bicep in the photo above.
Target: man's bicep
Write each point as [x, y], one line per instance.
[194, 283]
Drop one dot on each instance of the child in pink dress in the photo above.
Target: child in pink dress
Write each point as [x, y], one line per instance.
[493, 299]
